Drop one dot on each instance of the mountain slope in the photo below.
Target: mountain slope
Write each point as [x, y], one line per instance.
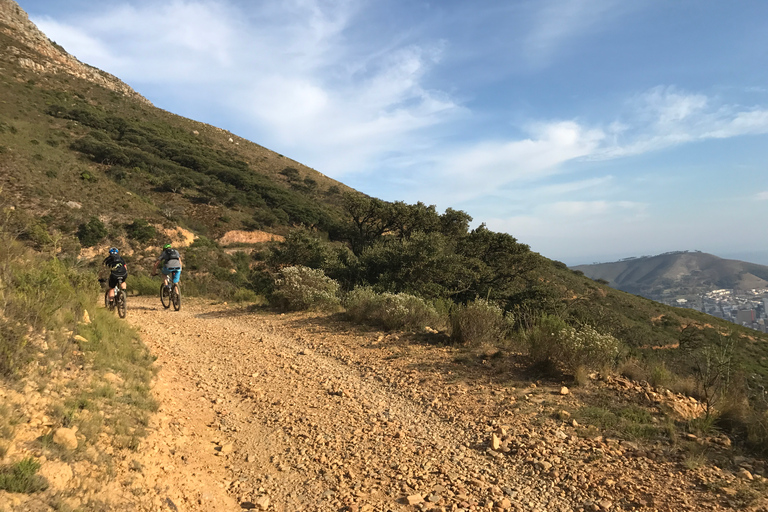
[70, 133]
[683, 272]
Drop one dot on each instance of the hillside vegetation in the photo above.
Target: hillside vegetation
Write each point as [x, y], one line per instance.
[83, 165]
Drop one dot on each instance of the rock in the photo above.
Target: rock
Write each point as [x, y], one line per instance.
[113, 378]
[495, 442]
[226, 448]
[505, 504]
[745, 474]
[262, 502]
[65, 437]
[415, 499]
[74, 205]
[57, 473]
[564, 390]
[80, 339]
[606, 504]
[86, 317]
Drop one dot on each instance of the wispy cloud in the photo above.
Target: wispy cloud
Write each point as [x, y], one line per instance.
[304, 88]
[667, 116]
[471, 171]
[762, 196]
[558, 22]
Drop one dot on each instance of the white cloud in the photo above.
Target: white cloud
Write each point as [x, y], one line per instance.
[762, 196]
[666, 116]
[303, 88]
[469, 172]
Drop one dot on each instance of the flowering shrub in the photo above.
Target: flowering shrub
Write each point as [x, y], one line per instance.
[390, 310]
[301, 288]
[479, 322]
[553, 341]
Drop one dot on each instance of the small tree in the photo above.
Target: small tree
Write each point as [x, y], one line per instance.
[141, 231]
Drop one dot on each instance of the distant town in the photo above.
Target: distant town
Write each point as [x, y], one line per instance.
[747, 308]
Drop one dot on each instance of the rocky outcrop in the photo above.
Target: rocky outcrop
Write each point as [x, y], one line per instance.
[39, 54]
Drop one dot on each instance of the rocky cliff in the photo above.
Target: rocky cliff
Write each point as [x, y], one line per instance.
[36, 52]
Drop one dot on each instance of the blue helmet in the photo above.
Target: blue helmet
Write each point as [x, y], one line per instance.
[113, 251]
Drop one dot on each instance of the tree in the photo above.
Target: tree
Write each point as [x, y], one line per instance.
[454, 223]
[503, 265]
[371, 218]
[410, 218]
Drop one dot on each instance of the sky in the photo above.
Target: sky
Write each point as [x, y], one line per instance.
[591, 130]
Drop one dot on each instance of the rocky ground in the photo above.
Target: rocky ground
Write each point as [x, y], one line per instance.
[305, 412]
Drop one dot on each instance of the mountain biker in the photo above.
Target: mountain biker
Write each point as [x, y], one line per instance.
[171, 261]
[118, 270]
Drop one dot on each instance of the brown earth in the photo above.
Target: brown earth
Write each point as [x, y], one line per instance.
[248, 237]
[305, 412]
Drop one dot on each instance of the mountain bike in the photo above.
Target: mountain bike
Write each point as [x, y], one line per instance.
[170, 293]
[119, 300]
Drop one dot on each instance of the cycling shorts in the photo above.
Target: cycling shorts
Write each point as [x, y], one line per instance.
[113, 280]
[174, 272]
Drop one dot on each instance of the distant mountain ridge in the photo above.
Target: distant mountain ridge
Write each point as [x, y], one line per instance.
[680, 272]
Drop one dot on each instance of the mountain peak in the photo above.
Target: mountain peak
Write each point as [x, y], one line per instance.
[34, 51]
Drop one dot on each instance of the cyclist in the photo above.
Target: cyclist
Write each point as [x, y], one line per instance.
[171, 261]
[118, 270]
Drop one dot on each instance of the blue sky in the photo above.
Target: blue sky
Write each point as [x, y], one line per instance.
[589, 129]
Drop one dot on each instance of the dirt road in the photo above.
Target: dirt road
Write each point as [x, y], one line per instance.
[300, 412]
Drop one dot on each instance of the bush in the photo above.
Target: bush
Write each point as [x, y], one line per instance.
[479, 322]
[302, 288]
[92, 232]
[141, 231]
[390, 310]
[757, 430]
[552, 341]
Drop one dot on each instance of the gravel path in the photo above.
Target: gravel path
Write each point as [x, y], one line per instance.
[297, 412]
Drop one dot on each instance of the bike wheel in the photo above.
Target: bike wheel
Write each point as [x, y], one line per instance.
[120, 302]
[106, 299]
[165, 296]
[176, 297]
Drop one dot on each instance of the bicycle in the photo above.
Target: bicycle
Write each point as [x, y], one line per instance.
[119, 301]
[170, 294]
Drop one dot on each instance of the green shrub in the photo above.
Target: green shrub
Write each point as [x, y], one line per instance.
[246, 295]
[141, 231]
[569, 347]
[479, 322]
[142, 284]
[91, 232]
[302, 288]
[390, 310]
[22, 477]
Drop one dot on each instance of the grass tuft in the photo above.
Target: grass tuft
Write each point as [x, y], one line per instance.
[21, 477]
